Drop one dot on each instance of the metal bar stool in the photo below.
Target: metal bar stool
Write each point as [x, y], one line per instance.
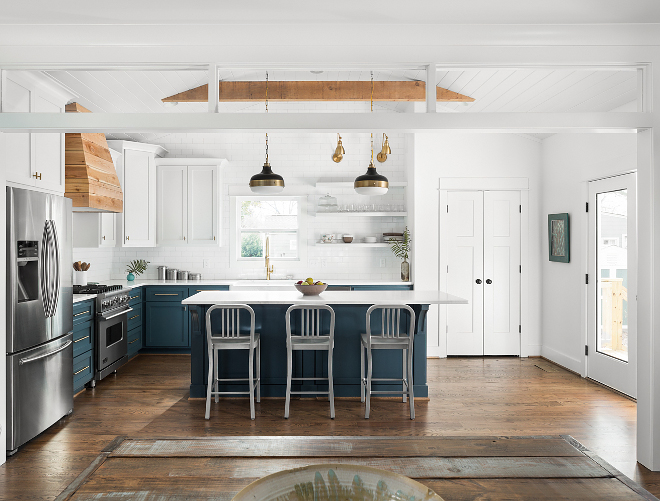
[228, 337]
[390, 338]
[310, 338]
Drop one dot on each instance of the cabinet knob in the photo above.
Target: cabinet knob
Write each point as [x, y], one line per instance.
[489, 281]
[128, 238]
[103, 237]
[184, 238]
[478, 280]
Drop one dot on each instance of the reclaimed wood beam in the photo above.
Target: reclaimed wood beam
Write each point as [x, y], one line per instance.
[318, 91]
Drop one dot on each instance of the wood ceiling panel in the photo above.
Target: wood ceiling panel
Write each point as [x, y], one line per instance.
[532, 82]
[605, 91]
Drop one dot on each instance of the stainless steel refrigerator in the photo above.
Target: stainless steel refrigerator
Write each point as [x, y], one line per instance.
[39, 313]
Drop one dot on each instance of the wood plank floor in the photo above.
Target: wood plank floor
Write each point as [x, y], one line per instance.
[468, 397]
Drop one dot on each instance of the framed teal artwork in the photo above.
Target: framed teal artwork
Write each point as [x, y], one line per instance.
[558, 238]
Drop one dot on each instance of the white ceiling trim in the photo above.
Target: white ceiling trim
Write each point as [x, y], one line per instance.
[325, 122]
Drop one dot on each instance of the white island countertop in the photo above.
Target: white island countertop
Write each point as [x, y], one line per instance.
[328, 297]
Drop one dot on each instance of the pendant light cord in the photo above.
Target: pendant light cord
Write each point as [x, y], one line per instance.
[372, 110]
[267, 112]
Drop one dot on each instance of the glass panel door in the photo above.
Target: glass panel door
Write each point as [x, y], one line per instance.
[611, 336]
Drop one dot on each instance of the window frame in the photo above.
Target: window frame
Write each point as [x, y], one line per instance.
[236, 231]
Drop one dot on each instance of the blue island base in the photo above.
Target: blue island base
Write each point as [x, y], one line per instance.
[270, 323]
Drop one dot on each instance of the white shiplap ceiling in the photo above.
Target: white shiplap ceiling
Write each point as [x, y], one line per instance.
[199, 12]
[557, 90]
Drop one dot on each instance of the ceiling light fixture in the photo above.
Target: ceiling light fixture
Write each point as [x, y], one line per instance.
[371, 183]
[338, 155]
[266, 182]
[386, 150]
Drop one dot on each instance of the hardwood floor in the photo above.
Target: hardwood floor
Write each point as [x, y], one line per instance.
[468, 397]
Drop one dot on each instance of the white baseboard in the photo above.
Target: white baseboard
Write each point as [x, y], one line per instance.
[435, 352]
[562, 359]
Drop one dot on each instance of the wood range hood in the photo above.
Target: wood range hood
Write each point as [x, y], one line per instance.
[91, 178]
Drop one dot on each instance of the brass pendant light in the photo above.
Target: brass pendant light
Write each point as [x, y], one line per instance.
[338, 155]
[266, 182]
[371, 183]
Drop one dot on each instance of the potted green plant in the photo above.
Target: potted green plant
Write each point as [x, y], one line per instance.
[136, 267]
[401, 249]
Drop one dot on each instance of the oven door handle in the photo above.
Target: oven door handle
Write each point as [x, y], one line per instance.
[39, 357]
[116, 314]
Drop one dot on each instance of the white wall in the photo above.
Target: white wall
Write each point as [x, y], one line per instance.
[302, 159]
[569, 161]
[453, 154]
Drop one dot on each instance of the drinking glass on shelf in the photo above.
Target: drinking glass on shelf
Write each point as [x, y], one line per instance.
[372, 208]
[351, 208]
[400, 208]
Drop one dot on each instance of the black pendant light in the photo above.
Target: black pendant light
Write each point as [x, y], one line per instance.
[266, 182]
[371, 183]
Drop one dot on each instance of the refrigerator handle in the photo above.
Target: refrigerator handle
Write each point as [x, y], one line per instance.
[39, 357]
[50, 264]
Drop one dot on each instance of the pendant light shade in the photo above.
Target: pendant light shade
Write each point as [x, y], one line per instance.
[266, 182]
[371, 183]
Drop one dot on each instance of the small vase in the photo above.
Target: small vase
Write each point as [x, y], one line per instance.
[130, 277]
[405, 271]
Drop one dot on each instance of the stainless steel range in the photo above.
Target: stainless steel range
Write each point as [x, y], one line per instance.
[111, 327]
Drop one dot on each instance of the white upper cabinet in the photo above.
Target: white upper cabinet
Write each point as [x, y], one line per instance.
[138, 181]
[172, 200]
[188, 196]
[35, 160]
[108, 237]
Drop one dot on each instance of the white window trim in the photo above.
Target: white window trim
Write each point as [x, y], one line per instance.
[234, 216]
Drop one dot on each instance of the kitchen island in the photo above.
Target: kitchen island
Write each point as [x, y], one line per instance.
[350, 310]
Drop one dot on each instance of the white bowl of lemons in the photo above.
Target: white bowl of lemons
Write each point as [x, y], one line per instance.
[309, 287]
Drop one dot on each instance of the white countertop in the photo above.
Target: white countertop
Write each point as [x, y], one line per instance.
[235, 282]
[328, 297]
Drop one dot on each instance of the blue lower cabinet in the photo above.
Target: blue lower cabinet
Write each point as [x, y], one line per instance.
[83, 337]
[402, 287]
[83, 370]
[134, 341]
[135, 296]
[135, 317]
[166, 325]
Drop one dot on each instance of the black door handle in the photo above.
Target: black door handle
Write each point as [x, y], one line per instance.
[489, 281]
[478, 281]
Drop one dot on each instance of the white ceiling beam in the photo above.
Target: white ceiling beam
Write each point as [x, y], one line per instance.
[213, 90]
[323, 122]
[431, 101]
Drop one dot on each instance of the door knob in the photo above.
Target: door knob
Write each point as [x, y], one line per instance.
[489, 281]
[478, 281]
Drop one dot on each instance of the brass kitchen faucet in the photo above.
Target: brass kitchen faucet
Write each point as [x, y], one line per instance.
[269, 267]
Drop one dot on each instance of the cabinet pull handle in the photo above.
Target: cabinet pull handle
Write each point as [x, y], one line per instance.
[184, 238]
[103, 237]
[165, 294]
[83, 313]
[134, 341]
[133, 297]
[134, 317]
[36, 175]
[128, 238]
[83, 369]
[213, 237]
[81, 339]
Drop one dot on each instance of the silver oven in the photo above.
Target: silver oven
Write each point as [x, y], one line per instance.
[111, 327]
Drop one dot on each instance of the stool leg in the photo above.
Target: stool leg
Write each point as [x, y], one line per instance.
[362, 374]
[251, 377]
[289, 369]
[209, 386]
[404, 375]
[216, 383]
[331, 389]
[259, 370]
[411, 394]
[369, 369]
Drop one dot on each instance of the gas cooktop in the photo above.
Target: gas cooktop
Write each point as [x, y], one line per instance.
[95, 288]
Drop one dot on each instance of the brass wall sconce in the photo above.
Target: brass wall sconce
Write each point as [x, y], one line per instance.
[338, 155]
[382, 156]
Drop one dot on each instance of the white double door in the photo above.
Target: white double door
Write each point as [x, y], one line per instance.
[482, 245]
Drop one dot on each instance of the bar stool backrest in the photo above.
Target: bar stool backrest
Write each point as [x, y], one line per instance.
[230, 321]
[392, 325]
[310, 320]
